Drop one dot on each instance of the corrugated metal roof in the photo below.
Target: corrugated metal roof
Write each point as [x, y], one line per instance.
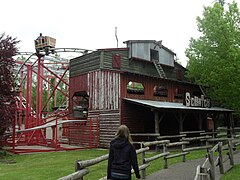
[173, 106]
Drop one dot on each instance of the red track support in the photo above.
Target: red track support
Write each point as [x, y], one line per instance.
[33, 115]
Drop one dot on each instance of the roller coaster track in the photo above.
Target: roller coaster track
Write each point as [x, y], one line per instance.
[55, 50]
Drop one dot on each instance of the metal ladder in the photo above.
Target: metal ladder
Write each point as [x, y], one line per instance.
[159, 68]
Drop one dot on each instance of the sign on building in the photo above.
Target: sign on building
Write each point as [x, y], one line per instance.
[195, 101]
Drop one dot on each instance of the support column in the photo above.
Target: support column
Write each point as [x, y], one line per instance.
[181, 123]
[180, 120]
[156, 119]
[200, 122]
[231, 124]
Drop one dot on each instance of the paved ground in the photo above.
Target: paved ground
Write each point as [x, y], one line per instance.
[187, 170]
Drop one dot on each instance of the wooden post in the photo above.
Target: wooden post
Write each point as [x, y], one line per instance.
[212, 165]
[221, 168]
[156, 118]
[157, 123]
[230, 146]
[200, 122]
[180, 123]
[77, 167]
[165, 159]
[184, 156]
[180, 120]
[143, 162]
[231, 125]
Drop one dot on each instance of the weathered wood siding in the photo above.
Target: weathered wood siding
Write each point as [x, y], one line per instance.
[103, 59]
[104, 90]
[149, 83]
[108, 124]
[84, 64]
[86, 135]
[141, 67]
[107, 59]
[139, 119]
[129, 65]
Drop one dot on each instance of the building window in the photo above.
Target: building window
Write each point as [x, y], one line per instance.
[135, 88]
[160, 91]
[154, 54]
[179, 93]
[80, 104]
[116, 61]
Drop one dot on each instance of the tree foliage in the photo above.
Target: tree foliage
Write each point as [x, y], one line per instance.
[214, 57]
[7, 96]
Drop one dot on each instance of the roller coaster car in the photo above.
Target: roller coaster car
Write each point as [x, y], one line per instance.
[44, 43]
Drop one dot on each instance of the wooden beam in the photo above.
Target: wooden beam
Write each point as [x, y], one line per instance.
[156, 119]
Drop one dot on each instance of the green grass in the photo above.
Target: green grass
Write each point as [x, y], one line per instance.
[234, 173]
[53, 165]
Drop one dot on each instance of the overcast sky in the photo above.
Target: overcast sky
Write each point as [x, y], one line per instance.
[90, 24]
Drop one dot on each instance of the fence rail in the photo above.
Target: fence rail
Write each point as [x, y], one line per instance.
[163, 143]
[206, 171]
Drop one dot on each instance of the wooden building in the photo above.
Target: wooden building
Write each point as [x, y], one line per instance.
[141, 86]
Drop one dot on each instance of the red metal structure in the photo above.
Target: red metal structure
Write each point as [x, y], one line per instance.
[43, 83]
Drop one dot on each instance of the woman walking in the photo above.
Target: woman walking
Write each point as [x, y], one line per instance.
[122, 156]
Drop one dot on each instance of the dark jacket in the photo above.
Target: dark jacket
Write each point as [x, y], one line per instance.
[122, 155]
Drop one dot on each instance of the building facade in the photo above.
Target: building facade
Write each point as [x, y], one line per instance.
[141, 86]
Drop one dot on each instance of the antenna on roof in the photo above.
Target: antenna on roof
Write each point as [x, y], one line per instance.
[116, 35]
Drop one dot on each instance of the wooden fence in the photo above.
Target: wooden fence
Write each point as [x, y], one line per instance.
[162, 144]
[207, 170]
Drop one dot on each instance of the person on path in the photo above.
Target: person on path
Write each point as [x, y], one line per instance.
[122, 156]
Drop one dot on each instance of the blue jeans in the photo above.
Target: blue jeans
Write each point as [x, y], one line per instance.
[120, 176]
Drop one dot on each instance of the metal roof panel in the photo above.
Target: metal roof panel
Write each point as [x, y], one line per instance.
[173, 106]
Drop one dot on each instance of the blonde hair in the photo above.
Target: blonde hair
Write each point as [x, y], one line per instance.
[123, 131]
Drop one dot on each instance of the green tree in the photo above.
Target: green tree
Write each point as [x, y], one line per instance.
[214, 57]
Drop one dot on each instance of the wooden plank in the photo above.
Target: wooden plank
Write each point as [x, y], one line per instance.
[146, 134]
[76, 175]
[87, 163]
[141, 167]
[177, 143]
[138, 151]
[237, 144]
[196, 148]
[156, 143]
[191, 132]
[171, 136]
[217, 139]
[209, 133]
[147, 160]
[196, 138]
[214, 148]
[176, 155]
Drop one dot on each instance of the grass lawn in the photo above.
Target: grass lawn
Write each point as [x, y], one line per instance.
[53, 165]
[234, 173]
